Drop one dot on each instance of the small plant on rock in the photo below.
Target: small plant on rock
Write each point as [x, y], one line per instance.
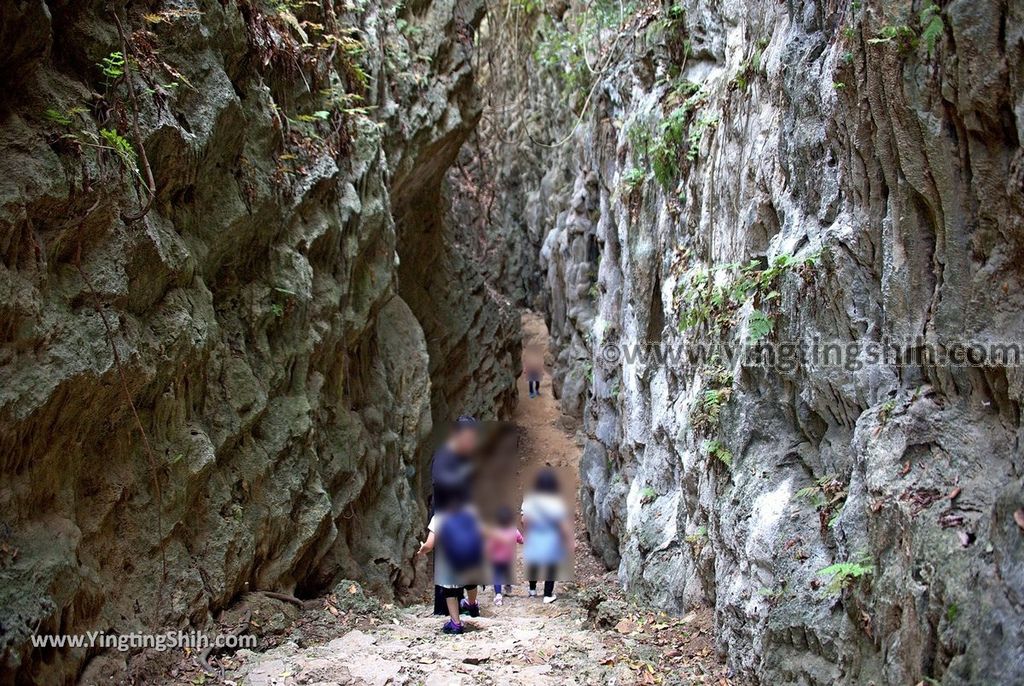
[697, 135]
[774, 595]
[900, 33]
[120, 145]
[750, 67]
[676, 12]
[932, 27]
[703, 297]
[827, 496]
[57, 117]
[716, 393]
[633, 179]
[759, 325]
[112, 66]
[710, 407]
[843, 575]
[697, 537]
[886, 410]
[714, 448]
[676, 132]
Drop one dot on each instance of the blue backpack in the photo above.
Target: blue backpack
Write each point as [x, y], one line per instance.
[461, 541]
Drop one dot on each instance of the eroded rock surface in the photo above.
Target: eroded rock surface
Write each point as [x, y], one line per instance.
[267, 338]
[869, 154]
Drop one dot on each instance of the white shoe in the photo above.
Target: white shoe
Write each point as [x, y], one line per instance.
[550, 598]
[498, 599]
[533, 594]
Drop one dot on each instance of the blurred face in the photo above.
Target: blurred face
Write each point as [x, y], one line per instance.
[464, 441]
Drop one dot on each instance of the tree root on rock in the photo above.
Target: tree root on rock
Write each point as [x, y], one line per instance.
[204, 657]
[285, 598]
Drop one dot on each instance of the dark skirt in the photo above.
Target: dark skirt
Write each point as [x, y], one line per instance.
[440, 606]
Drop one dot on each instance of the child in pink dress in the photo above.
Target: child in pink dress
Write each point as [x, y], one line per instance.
[501, 550]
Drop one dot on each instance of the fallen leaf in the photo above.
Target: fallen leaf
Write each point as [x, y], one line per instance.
[1018, 517]
[906, 469]
[954, 493]
[950, 519]
[625, 626]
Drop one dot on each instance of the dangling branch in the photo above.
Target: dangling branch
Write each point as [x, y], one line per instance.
[136, 133]
[150, 456]
[590, 94]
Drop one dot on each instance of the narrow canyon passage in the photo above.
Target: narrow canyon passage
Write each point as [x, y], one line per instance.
[590, 635]
[257, 257]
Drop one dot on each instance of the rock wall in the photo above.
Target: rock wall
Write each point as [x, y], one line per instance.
[798, 172]
[253, 310]
[505, 192]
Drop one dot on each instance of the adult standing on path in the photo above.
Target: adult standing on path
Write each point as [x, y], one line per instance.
[451, 468]
[451, 475]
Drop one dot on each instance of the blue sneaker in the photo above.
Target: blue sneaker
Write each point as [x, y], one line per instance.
[451, 627]
[472, 609]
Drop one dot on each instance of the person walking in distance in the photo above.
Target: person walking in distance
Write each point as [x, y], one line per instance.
[534, 369]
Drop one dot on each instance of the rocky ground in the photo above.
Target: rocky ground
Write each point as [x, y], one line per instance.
[522, 642]
[593, 634]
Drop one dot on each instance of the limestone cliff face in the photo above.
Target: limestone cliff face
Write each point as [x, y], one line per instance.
[266, 334]
[866, 157]
[506, 193]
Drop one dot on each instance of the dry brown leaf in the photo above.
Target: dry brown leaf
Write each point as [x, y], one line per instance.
[1018, 517]
[625, 626]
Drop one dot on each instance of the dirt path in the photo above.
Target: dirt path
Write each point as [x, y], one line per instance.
[590, 635]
